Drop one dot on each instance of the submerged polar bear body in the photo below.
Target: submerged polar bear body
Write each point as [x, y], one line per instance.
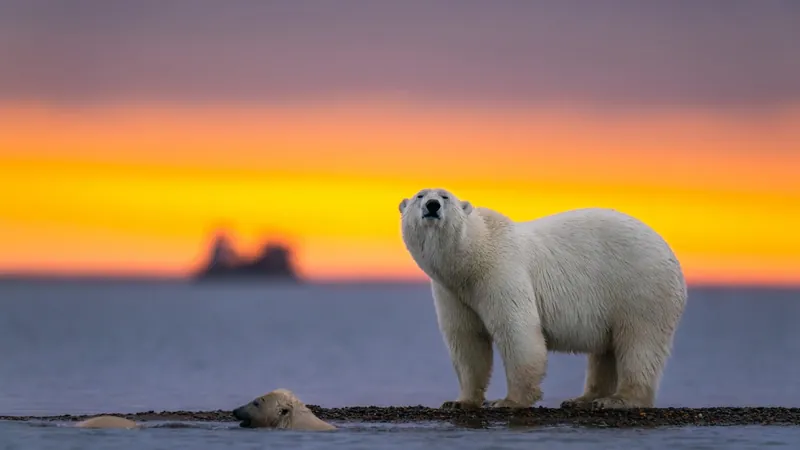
[591, 281]
[106, 421]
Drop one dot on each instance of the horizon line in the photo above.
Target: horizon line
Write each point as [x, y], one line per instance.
[149, 278]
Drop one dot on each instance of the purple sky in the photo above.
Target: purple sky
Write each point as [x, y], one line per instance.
[710, 53]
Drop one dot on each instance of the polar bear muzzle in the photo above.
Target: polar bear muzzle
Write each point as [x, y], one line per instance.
[253, 414]
[432, 208]
[246, 414]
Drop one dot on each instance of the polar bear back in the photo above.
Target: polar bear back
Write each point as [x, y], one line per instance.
[595, 270]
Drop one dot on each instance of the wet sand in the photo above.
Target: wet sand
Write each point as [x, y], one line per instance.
[637, 418]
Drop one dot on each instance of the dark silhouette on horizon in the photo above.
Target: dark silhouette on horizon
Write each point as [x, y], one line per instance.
[272, 263]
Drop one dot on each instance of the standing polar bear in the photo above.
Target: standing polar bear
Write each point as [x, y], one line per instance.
[591, 281]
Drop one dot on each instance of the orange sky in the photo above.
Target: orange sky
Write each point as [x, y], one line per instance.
[139, 189]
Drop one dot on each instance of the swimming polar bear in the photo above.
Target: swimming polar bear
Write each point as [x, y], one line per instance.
[592, 281]
[107, 422]
[279, 409]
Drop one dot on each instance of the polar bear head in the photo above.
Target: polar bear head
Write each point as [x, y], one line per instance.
[279, 409]
[443, 234]
[433, 208]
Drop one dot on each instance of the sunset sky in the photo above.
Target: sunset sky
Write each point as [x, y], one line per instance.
[131, 131]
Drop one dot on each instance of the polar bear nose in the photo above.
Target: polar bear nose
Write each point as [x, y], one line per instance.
[433, 206]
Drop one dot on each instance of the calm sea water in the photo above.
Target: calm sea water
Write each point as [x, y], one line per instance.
[79, 348]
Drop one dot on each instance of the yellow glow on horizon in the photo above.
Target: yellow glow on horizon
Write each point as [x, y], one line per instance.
[141, 188]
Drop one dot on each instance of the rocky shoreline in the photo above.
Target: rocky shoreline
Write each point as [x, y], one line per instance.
[538, 416]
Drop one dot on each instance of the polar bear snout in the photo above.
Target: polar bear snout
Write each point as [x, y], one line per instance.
[242, 414]
[239, 413]
[432, 208]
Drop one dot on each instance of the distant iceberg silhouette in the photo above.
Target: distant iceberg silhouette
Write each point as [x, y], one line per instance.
[272, 263]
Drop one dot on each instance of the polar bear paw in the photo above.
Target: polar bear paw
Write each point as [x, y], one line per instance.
[458, 404]
[582, 402]
[504, 403]
[614, 402]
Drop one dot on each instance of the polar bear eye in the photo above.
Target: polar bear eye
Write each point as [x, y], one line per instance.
[255, 403]
[284, 411]
[420, 196]
[445, 197]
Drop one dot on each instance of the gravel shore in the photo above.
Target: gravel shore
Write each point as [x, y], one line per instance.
[639, 418]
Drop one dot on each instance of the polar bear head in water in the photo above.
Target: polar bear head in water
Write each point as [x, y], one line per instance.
[279, 409]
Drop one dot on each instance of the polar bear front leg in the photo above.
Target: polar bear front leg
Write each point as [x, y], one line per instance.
[470, 348]
[511, 314]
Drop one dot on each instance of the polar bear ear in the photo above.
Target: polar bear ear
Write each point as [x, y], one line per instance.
[403, 205]
[467, 207]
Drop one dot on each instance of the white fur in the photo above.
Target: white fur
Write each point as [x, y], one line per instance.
[592, 281]
[106, 421]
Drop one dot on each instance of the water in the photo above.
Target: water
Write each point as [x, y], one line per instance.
[394, 437]
[84, 348]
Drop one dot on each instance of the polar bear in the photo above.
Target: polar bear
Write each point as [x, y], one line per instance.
[592, 281]
[279, 409]
[107, 422]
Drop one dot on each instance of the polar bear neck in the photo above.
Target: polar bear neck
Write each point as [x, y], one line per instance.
[448, 255]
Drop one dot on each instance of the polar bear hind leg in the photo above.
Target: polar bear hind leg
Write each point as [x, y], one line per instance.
[601, 380]
[641, 353]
